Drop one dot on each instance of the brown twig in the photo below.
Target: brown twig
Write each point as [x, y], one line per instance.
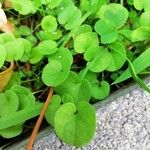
[39, 121]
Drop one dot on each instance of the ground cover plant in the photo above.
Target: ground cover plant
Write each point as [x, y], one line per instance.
[71, 53]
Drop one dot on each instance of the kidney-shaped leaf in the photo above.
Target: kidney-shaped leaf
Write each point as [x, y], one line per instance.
[22, 7]
[117, 56]
[49, 23]
[58, 68]
[144, 19]
[84, 41]
[115, 14]
[11, 131]
[107, 31]
[47, 47]
[98, 57]
[140, 4]
[9, 102]
[69, 17]
[75, 125]
[140, 34]
[79, 89]
[52, 108]
[2, 55]
[26, 97]
[100, 91]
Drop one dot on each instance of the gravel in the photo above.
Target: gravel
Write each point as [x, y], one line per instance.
[123, 124]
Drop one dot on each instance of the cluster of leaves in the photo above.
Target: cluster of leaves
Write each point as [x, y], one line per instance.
[77, 47]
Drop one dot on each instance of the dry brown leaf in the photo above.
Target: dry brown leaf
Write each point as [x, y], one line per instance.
[5, 25]
[5, 76]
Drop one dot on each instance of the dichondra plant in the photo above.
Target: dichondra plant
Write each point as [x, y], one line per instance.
[80, 48]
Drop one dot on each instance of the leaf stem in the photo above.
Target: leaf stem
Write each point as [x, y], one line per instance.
[40, 119]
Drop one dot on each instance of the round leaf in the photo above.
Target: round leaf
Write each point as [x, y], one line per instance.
[11, 131]
[49, 23]
[6, 37]
[115, 14]
[9, 102]
[35, 56]
[144, 19]
[2, 55]
[24, 30]
[107, 31]
[100, 61]
[84, 41]
[141, 34]
[14, 50]
[80, 89]
[75, 125]
[100, 91]
[67, 98]
[69, 17]
[52, 108]
[117, 56]
[47, 47]
[22, 7]
[58, 68]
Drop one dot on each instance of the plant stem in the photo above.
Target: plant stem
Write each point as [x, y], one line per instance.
[40, 119]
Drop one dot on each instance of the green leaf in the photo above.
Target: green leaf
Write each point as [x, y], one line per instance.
[84, 41]
[22, 7]
[58, 68]
[98, 58]
[15, 80]
[26, 44]
[2, 55]
[32, 39]
[45, 35]
[140, 4]
[144, 19]
[49, 23]
[52, 108]
[69, 17]
[90, 76]
[107, 31]
[92, 5]
[47, 47]
[6, 37]
[35, 56]
[53, 3]
[80, 90]
[116, 62]
[14, 50]
[100, 91]
[9, 102]
[26, 97]
[83, 29]
[114, 14]
[140, 34]
[20, 116]
[24, 30]
[67, 98]
[11, 131]
[75, 125]
[139, 64]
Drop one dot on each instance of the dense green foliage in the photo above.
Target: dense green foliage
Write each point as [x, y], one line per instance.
[81, 48]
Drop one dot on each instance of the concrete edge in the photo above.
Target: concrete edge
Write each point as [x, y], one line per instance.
[130, 87]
